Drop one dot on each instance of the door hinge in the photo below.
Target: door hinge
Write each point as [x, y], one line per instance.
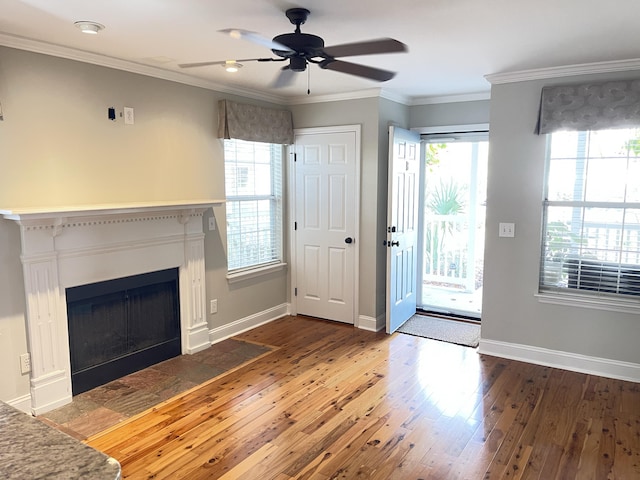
[295, 225]
[295, 292]
[295, 157]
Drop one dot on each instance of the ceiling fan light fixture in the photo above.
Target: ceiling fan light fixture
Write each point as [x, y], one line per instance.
[231, 66]
[91, 28]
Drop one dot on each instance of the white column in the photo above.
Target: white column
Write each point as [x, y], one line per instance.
[47, 333]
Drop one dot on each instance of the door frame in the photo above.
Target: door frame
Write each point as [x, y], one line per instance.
[444, 133]
[291, 211]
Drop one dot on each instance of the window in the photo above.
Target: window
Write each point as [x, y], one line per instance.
[253, 182]
[591, 242]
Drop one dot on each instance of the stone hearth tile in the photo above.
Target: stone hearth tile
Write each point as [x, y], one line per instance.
[133, 402]
[251, 350]
[64, 429]
[79, 406]
[94, 421]
[106, 392]
[225, 360]
[221, 347]
[145, 379]
[176, 386]
[200, 372]
[177, 365]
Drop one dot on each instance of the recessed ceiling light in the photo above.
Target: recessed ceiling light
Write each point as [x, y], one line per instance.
[91, 28]
[231, 66]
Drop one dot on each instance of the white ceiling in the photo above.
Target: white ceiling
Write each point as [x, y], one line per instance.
[452, 44]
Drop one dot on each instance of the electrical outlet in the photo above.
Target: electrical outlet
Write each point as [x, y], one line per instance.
[507, 230]
[212, 223]
[128, 116]
[25, 363]
[214, 306]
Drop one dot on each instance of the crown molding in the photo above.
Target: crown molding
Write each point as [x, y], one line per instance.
[564, 71]
[467, 97]
[35, 46]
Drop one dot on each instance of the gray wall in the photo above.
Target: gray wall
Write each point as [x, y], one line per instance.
[57, 147]
[373, 114]
[362, 112]
[458, 113]
[511, 312]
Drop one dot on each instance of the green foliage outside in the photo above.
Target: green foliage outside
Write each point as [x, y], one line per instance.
[447, 198]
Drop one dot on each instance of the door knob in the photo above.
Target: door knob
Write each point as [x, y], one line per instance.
[348, 240]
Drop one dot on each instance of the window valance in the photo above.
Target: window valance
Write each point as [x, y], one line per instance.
[253, 123]
[591, 106]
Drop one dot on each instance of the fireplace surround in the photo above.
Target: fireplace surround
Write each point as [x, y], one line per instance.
[71, 246]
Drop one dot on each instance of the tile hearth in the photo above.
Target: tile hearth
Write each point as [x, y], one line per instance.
[116, 401]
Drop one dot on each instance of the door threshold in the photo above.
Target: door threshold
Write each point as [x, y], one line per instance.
[449, 316]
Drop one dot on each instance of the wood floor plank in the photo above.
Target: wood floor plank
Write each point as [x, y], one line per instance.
[333, 402]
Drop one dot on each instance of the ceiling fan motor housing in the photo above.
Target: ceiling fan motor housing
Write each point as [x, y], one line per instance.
[302, 44]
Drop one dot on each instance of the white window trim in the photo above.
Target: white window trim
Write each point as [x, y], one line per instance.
[253, 272]
[590, 302]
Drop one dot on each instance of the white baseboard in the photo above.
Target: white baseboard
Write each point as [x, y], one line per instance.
[234, 328]
[22, 403]
[568, 361]
[372, 324]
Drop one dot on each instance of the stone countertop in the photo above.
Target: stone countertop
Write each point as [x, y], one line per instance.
[29, 449]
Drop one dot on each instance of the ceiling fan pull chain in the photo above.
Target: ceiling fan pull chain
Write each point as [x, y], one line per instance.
[308, 81]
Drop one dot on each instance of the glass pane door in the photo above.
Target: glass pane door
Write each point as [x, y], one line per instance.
[454, 203]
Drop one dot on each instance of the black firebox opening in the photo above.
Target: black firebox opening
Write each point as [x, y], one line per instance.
[121, 326]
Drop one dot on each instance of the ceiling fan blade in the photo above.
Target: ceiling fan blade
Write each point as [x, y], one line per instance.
[284, 78]
[369, 47]
[358, 70]
[255, 38]
[222, 62]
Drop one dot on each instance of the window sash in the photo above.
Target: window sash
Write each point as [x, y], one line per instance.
[253, 180]
[590, 247]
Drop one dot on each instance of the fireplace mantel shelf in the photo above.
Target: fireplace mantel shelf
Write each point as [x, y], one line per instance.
[41, 213]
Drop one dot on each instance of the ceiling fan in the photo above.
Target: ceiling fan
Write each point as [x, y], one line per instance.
[301, 49]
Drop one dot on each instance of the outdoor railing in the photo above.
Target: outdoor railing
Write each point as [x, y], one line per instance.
[450, 251]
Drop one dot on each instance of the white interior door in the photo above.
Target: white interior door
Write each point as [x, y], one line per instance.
[402, 226]
[326, 222]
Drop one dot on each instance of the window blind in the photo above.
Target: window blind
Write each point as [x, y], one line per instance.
[253, 182]
[592, 213]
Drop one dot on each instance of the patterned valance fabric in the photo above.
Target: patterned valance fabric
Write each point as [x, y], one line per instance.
[255, 124]
[591, 106]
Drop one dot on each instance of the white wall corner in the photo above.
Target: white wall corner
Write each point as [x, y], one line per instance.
[564, 360]
[372, 324]
[219, 334]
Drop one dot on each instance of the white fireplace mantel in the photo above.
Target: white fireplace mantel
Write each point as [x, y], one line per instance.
[64, 247]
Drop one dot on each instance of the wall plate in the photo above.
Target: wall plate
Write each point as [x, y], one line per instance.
[128, 116]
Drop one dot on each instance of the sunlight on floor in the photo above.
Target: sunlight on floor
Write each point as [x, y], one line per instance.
[452, 384]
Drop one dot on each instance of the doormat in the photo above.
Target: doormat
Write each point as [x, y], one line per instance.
[451, 331]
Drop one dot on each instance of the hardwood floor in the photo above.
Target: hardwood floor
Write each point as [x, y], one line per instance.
[334, 402]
